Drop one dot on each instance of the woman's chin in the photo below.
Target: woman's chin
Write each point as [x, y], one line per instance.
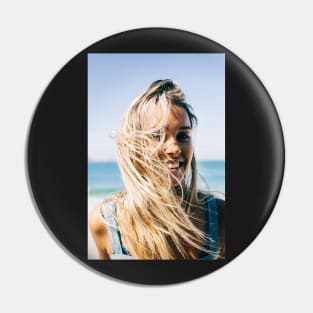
[177, 181]
[177, 177]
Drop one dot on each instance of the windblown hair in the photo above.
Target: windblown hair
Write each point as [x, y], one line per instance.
[156, 219]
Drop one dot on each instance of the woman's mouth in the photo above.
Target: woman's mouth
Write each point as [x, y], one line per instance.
[175, 166]
[177, 169]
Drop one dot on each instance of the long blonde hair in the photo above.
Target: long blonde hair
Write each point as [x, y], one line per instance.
[156, 219]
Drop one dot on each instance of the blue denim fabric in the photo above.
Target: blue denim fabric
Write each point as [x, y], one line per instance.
[212, 230]
[109, 212]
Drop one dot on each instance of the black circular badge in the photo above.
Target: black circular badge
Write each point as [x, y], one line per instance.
[155, 156]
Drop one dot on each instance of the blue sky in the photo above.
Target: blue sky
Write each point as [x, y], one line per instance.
[114, 80]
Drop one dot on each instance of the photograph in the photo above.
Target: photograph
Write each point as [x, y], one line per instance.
[156, 156]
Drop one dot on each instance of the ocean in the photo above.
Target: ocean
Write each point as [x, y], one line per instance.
[105, 178]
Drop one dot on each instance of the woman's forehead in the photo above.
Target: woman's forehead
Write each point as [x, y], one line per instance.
[177, 117]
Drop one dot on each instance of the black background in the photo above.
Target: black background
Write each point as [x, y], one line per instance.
[57, 155]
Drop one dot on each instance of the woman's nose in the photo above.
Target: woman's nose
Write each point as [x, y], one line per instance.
[172, 147]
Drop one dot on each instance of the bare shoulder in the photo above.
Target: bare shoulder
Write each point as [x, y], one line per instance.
[99, 232]
[95, 221]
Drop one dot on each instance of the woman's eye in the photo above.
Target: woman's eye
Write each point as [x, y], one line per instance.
[183, 137]
[156, 137]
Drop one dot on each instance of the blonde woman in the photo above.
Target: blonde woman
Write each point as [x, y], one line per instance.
[161, 215]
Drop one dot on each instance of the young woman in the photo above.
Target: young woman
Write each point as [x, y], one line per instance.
[161, 214]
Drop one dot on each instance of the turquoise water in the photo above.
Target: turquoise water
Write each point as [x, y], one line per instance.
[105, 178]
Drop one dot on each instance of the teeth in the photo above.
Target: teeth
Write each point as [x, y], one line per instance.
[173, 165]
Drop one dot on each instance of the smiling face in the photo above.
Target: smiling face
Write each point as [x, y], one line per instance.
[176, 148]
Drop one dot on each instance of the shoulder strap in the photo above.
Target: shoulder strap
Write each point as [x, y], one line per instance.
[110, 222]
[212, 229]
